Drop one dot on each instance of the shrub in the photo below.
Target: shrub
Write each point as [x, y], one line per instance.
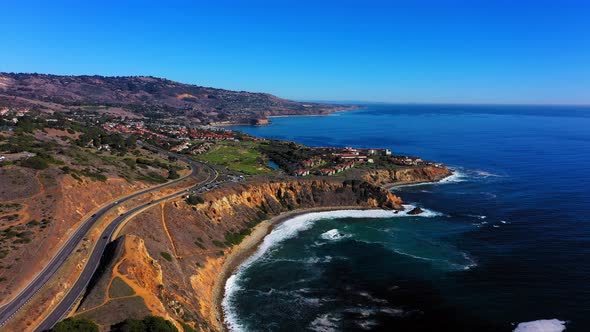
[172, 174]
[194, 199]
[218, 244]
[148, 324]
[75, 325]
[166, 256]
[35, 162]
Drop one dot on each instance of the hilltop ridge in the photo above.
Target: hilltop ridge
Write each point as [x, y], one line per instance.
[147, 96]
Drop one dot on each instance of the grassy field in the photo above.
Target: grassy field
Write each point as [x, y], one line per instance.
[119, 288]
[237, 156]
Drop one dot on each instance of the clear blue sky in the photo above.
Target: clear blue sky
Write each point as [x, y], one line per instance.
[472, 51]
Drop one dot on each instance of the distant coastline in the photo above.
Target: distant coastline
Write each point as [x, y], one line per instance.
[252, 122]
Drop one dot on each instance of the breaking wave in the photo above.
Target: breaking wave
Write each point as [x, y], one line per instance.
[333, 234]
[542, 325]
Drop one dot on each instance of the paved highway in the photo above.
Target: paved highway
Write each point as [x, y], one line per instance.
[11, 308]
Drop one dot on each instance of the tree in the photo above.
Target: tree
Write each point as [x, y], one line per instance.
[172, 174]
[75, 325]
[194, 199]
[148, 324]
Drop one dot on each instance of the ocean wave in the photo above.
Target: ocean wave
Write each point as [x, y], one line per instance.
[542, 325]
[372, 298]
[308, 260]
[487, 174]
[325, 323]
[333, 235]
[459, 175]
[472, 263]
[293, 296]
[231, 318]
[487, 194]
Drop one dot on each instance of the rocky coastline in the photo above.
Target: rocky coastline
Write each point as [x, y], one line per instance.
[193, 249]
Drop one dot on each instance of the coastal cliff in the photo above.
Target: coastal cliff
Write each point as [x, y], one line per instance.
[189, 245]
[418, 174]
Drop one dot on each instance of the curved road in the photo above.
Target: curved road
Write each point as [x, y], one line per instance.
[11, 308]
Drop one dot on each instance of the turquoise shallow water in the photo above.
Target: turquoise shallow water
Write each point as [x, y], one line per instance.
[508, 240]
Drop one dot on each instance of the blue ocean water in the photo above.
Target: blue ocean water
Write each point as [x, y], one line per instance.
[509, 242]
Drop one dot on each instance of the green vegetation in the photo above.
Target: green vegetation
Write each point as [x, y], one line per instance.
[173, 174]
[166, 256]
[148, 324]
[96, 176]
[235, 238]
[218, 244]
[287, 155]
[119, 288]
[152, 177]
[187, 328]
[35, 162]
[242, 156]
[75, 325]
[195, 199]
[96, 136]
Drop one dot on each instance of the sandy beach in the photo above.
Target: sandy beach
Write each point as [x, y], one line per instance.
[249, 245]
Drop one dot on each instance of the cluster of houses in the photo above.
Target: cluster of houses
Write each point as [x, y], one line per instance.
[413, 161]
[202, 148]
[336, 169]
[13, 114]
[346, 158]
[136, 127]
[212, 136]
[167, 131]
[312, 162]
[185, 133]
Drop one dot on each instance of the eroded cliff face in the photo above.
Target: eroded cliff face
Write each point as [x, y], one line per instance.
[407, 175]
[190, 243]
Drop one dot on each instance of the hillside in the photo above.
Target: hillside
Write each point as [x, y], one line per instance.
[52, 177]
[146, 96]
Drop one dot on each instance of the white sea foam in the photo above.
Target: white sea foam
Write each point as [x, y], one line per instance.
[290, 229]
[371, 298]
[487, 174]
[333, 234]
[324, 323]
[231, 317]
[457, 176]
[542, 325]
